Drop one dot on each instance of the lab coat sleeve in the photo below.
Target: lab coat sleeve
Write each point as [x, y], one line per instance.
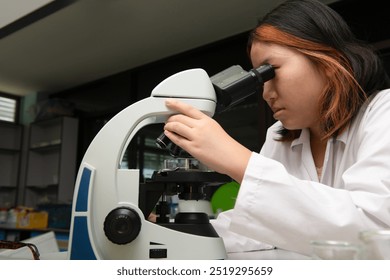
[279, 209]
[234, 242]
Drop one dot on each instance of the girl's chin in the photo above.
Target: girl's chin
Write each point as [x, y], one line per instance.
[290, 126]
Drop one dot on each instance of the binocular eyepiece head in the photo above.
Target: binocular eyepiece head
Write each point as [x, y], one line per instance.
[234, 84]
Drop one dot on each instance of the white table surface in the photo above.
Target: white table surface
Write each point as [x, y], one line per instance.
[274, 254]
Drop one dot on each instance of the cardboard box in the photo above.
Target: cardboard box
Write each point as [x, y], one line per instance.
[32, 219]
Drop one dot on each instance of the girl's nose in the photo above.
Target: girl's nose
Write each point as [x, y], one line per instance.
[268, 91]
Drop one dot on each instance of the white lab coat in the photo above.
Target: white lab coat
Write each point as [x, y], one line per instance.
[282, 202]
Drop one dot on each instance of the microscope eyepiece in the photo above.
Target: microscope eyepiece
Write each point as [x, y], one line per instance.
[234, 84]
[264, 73]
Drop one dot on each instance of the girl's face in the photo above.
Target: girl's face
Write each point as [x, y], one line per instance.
[294, 93]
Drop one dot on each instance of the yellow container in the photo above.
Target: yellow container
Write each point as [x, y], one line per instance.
[32, 219]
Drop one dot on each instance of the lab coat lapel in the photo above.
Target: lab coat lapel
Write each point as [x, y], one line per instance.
[307, 157]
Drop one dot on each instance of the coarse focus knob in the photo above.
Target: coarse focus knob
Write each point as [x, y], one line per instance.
[122, 225]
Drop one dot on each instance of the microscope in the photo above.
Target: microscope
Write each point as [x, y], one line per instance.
[111, 206]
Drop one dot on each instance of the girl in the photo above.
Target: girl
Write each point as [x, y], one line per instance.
[324, 169]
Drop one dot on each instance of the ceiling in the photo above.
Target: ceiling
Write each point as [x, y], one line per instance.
[91, 39]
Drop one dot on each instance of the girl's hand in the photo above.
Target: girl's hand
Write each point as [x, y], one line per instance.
[204, 139]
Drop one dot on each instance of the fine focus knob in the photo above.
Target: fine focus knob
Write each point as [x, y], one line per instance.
[122, 225]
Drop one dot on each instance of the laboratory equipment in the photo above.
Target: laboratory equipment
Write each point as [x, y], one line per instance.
[334, 250]
[376, 244]
[111, 206]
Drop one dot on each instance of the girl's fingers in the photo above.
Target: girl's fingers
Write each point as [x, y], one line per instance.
[184, 108]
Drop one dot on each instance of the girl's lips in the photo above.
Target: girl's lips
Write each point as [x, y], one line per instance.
[276, 109]
[277, 112]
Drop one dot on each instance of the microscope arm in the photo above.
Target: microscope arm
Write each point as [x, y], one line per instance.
[101, 186]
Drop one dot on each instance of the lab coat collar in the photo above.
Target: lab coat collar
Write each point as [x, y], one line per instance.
[343, 136]
[304, 138]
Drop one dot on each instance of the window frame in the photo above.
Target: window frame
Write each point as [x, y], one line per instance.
[17, 105]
